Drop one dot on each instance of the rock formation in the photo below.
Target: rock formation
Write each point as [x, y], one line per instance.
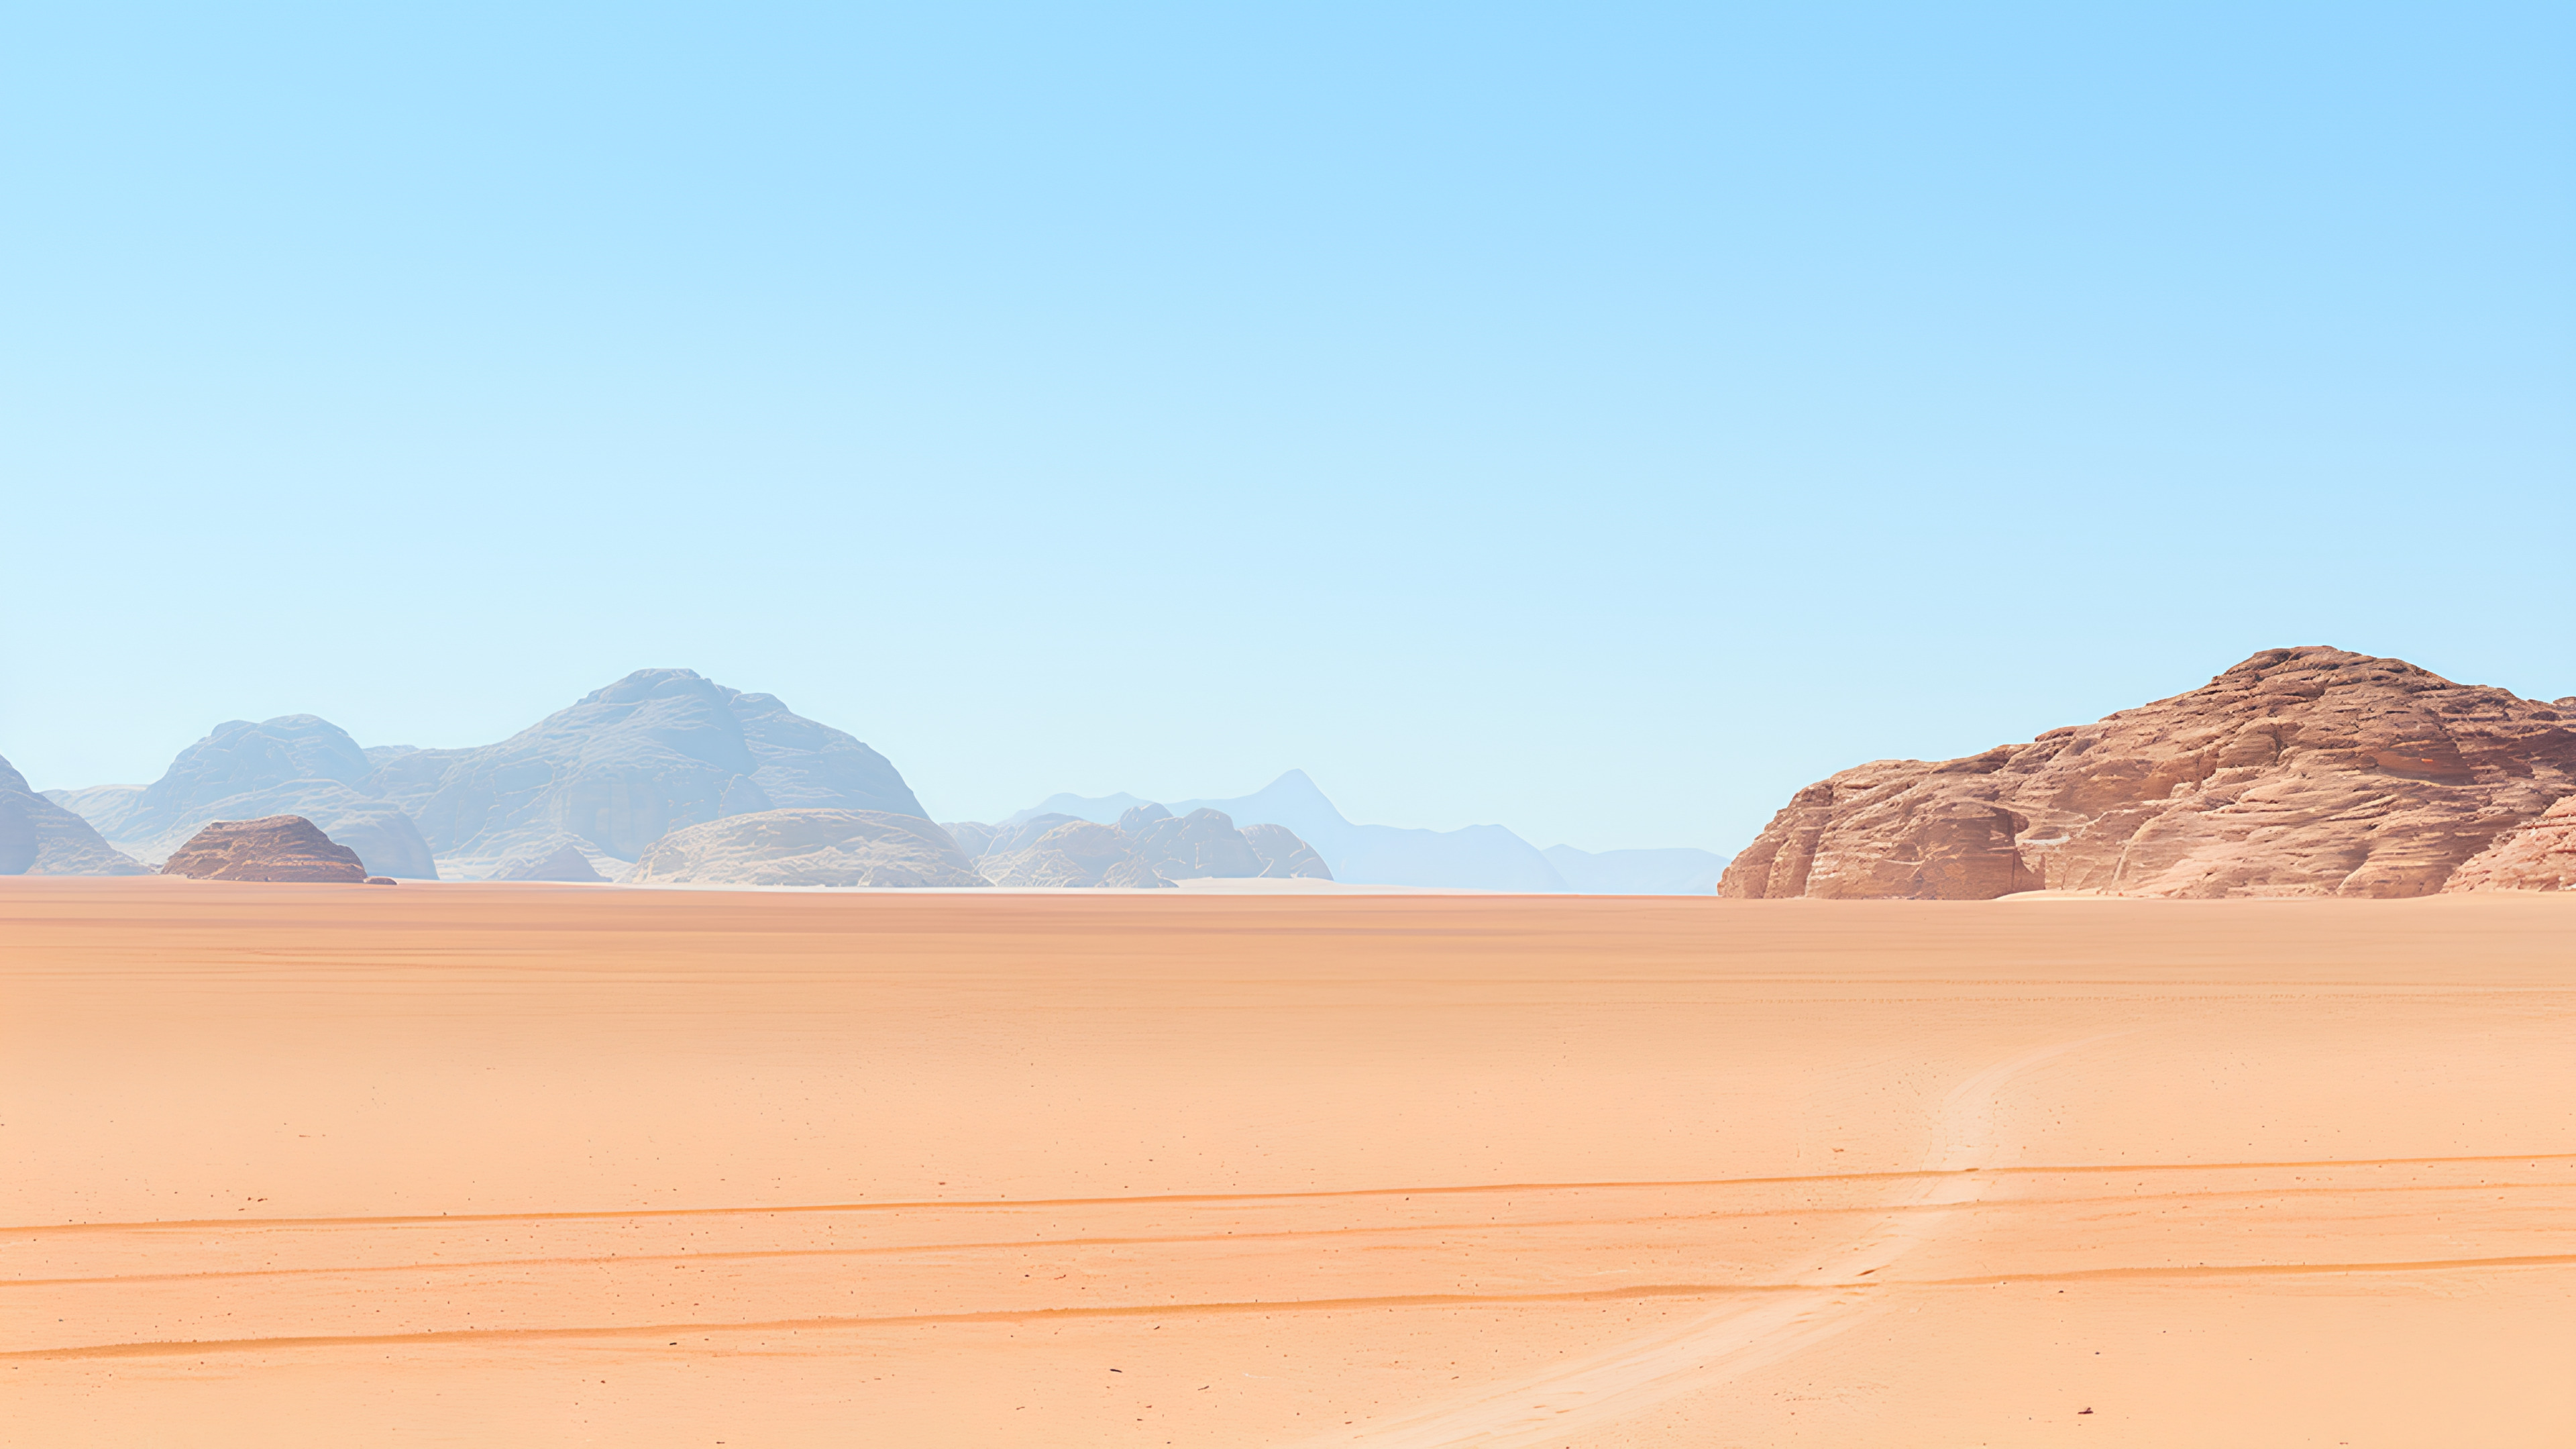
[973, 836]
[1074, 853]
[566, 864]
[1199, 845]
[297, 764]
[807, 847]
[659, 750]
[1133, 875]
[276, 848]
[2541, 856]
[1283, 855]
[1148, 848]
[1012, 838]
[1474, 857]
[39, 837]
[2300, 772]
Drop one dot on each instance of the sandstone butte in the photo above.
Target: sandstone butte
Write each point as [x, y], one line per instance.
[2300, 772]
[271, 848]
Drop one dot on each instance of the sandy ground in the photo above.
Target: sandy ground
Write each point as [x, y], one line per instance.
[531, 1165]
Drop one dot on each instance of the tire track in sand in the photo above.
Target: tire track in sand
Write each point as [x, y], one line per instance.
[1601, 1388]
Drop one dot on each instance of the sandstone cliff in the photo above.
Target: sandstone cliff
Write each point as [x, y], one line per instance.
[39, 837]
[2300, 772]
[277, 848]
[2541, 856]
[807, 848]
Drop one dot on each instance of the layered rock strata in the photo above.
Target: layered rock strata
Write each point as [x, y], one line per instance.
[807, 848]
[274, 848]
[2541, 856]
[2300, 772]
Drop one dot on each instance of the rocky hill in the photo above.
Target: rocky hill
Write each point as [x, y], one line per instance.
[278, 848]
[40, 837]
[807, 848]
[297, 764]
[2300, 772]
[566, 864]
[606, 777]
[1477, 857]
[657, 751]
[2540, 856]
[1149, 847]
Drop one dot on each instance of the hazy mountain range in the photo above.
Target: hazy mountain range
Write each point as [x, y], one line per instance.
[1477, 857]
[605, 778]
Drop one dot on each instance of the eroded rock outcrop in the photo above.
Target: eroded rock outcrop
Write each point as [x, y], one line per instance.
[275, 848]
[566, 864]
[1074, 853]
[2541, 856]
[1283, 855]
[2300, 772]
[39, 837]
[1196, 846]
[807, 848]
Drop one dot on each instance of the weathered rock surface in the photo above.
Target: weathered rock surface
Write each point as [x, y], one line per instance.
[2300, 772]
[973, 836]
[1011, 838]
[1196, 846]
[276, 848]
[2541, 856]
[297, 764]
[40, 837]
[1133, 875]
[566, 864]
[659, 750]
[1283, 855]
[1073, 853]
[807, 847]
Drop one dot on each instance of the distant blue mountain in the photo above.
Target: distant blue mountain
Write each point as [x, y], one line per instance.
[1675, 872]
[1479, 857]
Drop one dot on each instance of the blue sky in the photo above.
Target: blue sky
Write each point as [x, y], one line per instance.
[1596, 420]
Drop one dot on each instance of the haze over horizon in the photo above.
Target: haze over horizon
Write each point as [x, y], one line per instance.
[1597, 426]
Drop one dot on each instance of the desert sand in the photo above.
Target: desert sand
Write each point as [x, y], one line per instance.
[495, 1164]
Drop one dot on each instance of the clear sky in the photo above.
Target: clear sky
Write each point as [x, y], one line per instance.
[1598, 419]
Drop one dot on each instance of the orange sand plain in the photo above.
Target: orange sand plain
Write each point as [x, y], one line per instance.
[291, 1165]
